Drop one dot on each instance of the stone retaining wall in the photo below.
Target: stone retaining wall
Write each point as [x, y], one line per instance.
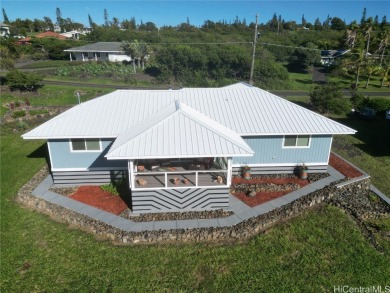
[240, 231]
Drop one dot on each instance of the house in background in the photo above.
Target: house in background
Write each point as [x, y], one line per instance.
[101, 51]
[179, 149]
[4, 30]
[328, 57]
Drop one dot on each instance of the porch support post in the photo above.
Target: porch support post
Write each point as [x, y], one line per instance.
[131, 174]
[70, 56]
[82, 55]
[229, 171]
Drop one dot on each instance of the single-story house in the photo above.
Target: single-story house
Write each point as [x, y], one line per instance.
[101, 51]
[179, 149]
[328, 57]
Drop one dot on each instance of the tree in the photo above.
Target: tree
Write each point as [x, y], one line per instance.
[363, 19]
[5, 17]
[368, 27]
[131, 51]
[337, 24]
[60, 20]
[304, 22]
[326, 24]
[49, 23]
[371, 68]
[107, 23]
[329, 99]
[302, 58]
[24, 81]
[354, 63]
[384, 73]
[91, 22]
[317, 24]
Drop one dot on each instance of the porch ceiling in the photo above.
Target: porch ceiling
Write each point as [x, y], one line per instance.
[178, 131]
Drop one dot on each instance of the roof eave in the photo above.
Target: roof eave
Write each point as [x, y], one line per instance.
[177, 156]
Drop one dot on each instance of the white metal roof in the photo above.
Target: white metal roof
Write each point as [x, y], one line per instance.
[175, 132]
[248, 111]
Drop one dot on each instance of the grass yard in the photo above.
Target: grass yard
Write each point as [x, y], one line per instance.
[313, 252]
[52, 95]
[301, 81]
[49, 64]
[374, 84]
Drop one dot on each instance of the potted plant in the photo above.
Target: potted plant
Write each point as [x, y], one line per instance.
[303, 171]
[246, 172]
[176, 181]
[186, 181]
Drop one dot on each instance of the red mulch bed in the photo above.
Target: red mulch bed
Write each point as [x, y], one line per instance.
[262, 197]
[343, 167]
[94, 196]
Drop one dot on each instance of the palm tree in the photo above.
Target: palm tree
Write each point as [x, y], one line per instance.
[384, 73]
[383, 45]
[130, 51]
[368, 27]
[354, 63]
[143, 53]
[371, 68]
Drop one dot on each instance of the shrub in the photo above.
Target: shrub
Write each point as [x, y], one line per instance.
[23, 81]
[7, 63]
[18, 114]
[22, 125]
[329, 99]
[378, 104]
[111, 188]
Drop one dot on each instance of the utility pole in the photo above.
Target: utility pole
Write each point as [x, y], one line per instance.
[253, 53]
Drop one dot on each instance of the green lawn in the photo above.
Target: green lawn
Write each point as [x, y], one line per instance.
[53, 95]
[301, 81]
[374, 84]
[49, 64]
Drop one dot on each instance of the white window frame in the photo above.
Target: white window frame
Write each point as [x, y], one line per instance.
[85, 144]
[296, 140]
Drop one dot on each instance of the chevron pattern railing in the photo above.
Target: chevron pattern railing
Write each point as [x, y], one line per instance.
[192, 199]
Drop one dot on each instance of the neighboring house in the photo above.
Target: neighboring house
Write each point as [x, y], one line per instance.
[57, 28]
[75, 34]
[4, 30]
[101, 51]
[27, 41]
[204, 135]
[328, 57]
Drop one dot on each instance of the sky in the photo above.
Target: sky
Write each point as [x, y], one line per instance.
[176, 12]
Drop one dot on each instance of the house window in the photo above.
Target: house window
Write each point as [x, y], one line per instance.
[97, 54]
[85, 145]
[296, 141]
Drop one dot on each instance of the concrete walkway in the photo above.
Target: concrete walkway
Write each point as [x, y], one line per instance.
[241, 211]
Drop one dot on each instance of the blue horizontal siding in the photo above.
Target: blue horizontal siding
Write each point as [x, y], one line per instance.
[269, 150]
[62, 157]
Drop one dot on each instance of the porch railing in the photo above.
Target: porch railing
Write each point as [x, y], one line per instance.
[195, 178]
